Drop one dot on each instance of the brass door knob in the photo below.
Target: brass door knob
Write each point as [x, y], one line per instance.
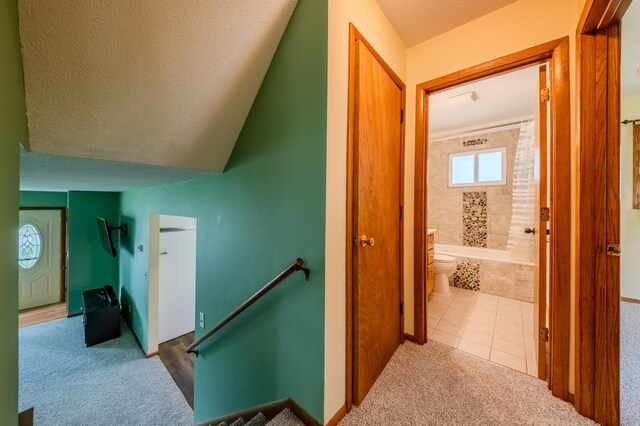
[530, 231]
[364, 241]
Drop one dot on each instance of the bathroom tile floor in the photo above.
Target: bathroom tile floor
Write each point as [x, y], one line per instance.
[491, 327]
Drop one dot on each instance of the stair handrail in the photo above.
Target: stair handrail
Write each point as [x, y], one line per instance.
[295, 266]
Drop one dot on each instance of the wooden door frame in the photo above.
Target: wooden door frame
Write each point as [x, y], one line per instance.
[597, 293]
[355, 36]
[63, 247]
[557, 53]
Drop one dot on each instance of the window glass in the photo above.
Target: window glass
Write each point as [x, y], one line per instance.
[462, 169]
[490, 166]
[29, 246]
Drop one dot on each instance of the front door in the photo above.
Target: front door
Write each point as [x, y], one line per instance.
[40, 258]
[376, 219]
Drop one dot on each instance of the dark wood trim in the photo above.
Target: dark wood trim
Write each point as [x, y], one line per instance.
[599, 14]
[597, 293]
[557, 53]
[411, 338]
[269, 410]
[63, 247]
[355, 36]
[25, 418]
[630, 300]
[338, 416]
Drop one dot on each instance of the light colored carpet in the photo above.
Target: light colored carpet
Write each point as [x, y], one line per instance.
[286, 418]
[435, 384]
[629, 363]
[107, 384]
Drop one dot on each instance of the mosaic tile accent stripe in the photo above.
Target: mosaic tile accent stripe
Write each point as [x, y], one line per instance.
[474, 219]
[467, 276]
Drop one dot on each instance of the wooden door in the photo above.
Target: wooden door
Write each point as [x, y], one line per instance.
[376, 219]
[540, 262]
[39, 258]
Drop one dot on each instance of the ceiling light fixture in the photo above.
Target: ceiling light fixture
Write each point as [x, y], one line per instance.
[465, 98]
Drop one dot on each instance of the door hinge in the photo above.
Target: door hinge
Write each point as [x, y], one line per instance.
[401, 309]
[402, 115]
[614, 250]
[544, 334]
[545, 95]
[545, 214]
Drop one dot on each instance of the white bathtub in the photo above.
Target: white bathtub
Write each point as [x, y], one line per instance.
[479, 253]
[491, 271]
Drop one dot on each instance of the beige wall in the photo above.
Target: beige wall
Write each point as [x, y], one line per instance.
[371, 22]
[513, 28]
[445, 203]
[629, 217]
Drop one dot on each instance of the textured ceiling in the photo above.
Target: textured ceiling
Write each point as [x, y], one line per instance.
[630, 66]
[49, 173]
[418, 20]
[504, 97]
[157, 83]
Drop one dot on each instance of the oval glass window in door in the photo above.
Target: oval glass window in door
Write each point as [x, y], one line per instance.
[29, 246]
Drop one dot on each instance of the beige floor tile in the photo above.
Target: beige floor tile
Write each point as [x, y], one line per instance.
[510, 327]
[479, 338]
[532, 368]
[513, 337]
[487, 315]
[455, 319]
[508, 347]
[480, 327]
[474, 348]
[451, 328]
[508, 360]
[444, 338]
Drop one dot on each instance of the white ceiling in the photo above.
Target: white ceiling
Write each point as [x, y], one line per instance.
[630, 66]
[504, 97]
[418, 20]
[157, 83]
[49, 173]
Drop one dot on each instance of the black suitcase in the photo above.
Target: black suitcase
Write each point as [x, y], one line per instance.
[100, 315]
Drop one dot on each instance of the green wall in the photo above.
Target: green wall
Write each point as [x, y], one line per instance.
[90, 266]
[266, 209]
[43, 199]
[13, 129]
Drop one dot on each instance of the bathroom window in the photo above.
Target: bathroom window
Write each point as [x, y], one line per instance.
[486, 167]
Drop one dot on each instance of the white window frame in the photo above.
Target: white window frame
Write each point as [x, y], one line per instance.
[475, 154]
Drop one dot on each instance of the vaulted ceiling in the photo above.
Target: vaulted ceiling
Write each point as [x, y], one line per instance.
[158, 83]
[418, 20]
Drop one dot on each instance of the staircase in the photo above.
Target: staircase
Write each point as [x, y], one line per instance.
[285, 418]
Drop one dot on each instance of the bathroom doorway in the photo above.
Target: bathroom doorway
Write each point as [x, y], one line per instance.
[487, 195]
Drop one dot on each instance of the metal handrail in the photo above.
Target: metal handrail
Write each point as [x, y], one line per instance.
[295, 266]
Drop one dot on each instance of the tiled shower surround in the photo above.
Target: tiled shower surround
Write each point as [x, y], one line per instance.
[477, 216]
[452, 211]
[506, 279]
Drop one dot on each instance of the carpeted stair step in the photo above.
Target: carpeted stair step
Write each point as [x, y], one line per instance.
[286, 418]
[238, 422]
[258, 420]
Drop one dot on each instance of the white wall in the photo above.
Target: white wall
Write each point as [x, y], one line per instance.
[629, 218]
[374, 26]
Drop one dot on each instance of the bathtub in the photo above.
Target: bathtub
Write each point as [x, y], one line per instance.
[490, 271]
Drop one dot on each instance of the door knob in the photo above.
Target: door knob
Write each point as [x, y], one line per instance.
[364, 241]
[530, 231]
